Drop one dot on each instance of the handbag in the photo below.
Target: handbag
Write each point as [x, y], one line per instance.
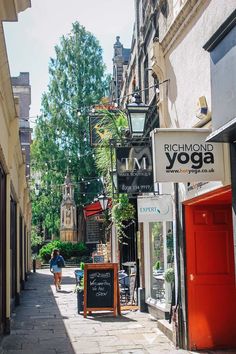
[60, 263]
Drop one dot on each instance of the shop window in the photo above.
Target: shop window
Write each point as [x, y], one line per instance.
[157, 261]
[162, 258]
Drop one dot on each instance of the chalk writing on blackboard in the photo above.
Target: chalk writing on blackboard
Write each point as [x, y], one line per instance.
[100, 288]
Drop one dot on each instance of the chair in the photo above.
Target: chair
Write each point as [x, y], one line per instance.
[124, 288]
[79, 273]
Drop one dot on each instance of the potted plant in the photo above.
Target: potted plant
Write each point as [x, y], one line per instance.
[79, 288]
[169, 275]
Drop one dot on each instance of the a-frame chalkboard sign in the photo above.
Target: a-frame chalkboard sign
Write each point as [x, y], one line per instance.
[101, 289]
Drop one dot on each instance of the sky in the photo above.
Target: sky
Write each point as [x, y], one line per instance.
[30, 41]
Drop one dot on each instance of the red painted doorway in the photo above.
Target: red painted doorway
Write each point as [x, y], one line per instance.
[210, 272]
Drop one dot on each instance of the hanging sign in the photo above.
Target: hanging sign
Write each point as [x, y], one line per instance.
[134, 169]
[97, 125]
[183, 155]
[97, 130]
[153, 209]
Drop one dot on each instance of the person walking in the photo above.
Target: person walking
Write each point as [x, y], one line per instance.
[56, 264]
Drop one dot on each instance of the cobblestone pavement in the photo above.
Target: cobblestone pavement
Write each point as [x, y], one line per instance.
[47, 322]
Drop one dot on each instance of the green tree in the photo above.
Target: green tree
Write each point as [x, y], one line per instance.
[76, 82]
[36, 239]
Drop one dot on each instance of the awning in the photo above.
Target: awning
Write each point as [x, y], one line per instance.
[95, 208]
[225, 134]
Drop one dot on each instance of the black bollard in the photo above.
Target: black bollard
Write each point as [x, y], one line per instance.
[34, 265]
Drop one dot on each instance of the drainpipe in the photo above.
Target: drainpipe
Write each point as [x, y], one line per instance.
[178, 233]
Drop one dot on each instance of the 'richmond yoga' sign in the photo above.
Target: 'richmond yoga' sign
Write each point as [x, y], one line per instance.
[183, 155]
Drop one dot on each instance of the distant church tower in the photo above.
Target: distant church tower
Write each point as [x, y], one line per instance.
[68, 230]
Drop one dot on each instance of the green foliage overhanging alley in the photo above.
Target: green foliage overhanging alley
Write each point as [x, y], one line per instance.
[77, 81]
[113, 126]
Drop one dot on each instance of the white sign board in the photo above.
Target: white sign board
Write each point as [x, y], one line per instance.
[152, 209]
[182, 155]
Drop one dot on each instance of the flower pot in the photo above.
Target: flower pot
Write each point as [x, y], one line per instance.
[80, 301]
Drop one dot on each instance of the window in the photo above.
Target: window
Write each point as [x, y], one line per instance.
[162, 258]
[157, 261]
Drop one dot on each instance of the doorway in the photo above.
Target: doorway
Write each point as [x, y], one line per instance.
[13, 250]
[210, 271]
[2, 250]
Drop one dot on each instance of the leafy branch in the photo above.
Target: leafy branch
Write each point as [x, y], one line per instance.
[122, 211]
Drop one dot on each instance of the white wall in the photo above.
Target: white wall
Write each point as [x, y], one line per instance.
[188, 64]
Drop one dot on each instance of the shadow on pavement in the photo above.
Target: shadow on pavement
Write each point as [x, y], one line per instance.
[108, 317]
[37, 325]
[65, 292]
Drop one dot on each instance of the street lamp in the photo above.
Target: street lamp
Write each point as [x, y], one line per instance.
[137, 112]
[103, 200]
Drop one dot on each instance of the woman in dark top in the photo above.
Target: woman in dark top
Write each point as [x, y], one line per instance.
[56, 264]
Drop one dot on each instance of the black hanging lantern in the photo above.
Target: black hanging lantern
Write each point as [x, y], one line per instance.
[103, 200]
[137, 112]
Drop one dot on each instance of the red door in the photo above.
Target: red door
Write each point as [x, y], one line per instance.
[211, 294]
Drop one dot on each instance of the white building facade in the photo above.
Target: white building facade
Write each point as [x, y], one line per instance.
[203, 232]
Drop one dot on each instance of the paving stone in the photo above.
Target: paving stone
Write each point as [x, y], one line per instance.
[133, 351]
[160, 351]
[89, 348]
[11, 342]
[29, 351]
